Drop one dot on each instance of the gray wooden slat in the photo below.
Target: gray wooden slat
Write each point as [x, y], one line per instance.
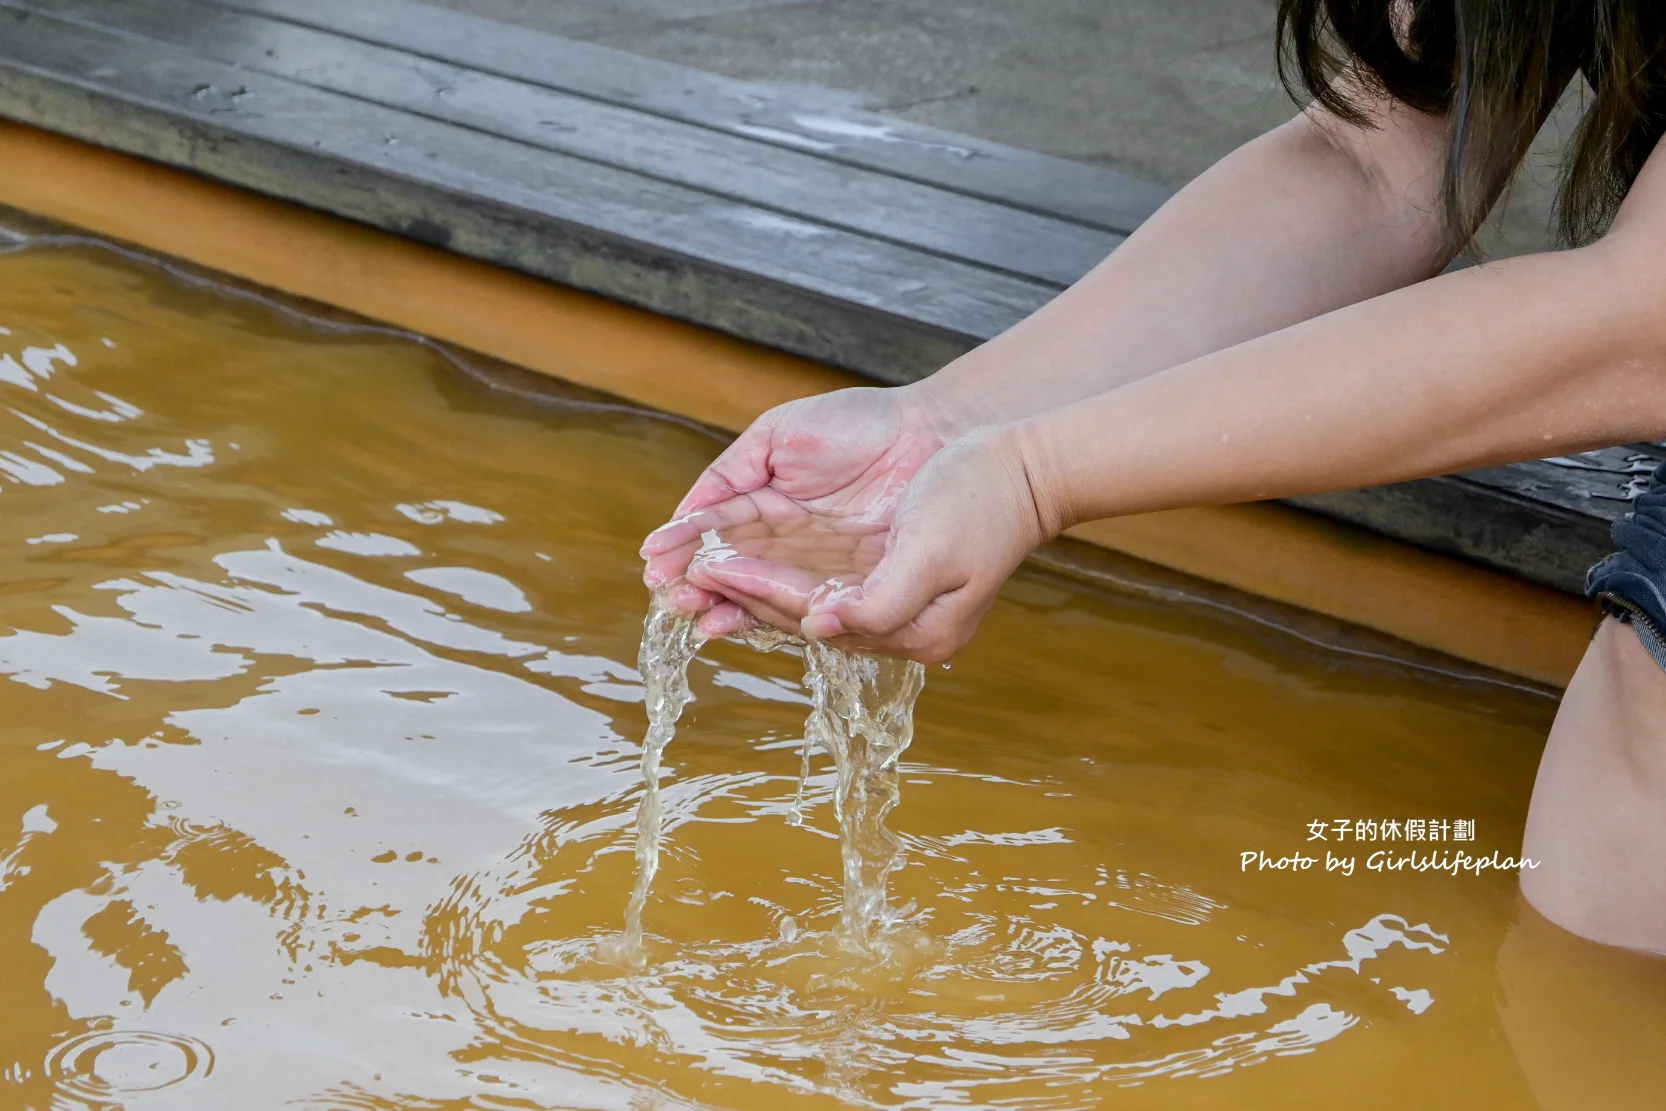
[1600, 484]
[867, 305]
[1522, 536]
[789, 182]
[1546, 520]
[816, 121]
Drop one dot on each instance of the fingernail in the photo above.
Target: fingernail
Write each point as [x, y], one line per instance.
[821, 626]
[655, 578]
[648, 540]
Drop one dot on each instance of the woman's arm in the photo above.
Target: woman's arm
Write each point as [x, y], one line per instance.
[1314, 215]
[1529, 357]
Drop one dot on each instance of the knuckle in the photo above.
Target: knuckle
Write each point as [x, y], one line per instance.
[943, 647]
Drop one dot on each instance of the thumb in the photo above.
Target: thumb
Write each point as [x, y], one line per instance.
[909, 578]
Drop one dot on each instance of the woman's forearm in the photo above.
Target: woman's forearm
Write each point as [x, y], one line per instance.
[1529, 357]
[1310, 217]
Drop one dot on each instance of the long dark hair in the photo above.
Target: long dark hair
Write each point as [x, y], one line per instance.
[1494, 68]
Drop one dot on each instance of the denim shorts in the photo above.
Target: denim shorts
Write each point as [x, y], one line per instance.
[1631, 583]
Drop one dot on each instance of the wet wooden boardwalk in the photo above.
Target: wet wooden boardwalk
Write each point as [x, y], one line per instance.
[783, 215]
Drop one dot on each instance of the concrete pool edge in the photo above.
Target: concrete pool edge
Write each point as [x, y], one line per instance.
[1284, 554]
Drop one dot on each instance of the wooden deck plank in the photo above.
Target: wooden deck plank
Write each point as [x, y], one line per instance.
[747, 170]
[1547, 520]
[820, 122]
[1532, 539]
[1600, 484]
[845, 299]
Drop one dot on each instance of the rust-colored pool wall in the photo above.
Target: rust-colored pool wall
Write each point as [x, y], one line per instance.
[1270, 550]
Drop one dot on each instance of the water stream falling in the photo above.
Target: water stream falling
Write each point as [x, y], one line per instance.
[862, 716]
[669, 644]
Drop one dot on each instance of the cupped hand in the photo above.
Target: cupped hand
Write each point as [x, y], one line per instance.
[963, 524]
[809, 489]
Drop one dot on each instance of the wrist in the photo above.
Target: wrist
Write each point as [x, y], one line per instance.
[953, 402]
[1042, 470]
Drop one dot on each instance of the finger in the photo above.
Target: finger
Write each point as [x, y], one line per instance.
[726, 619]
[749, 620]
[910, 577]
[666, 567]
[754, 582]
[662, 570]
[688, 599]
[765, 614]
[937, 634]
[690, 527]
[941, 630]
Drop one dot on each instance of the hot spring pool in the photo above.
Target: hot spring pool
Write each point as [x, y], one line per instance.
[318, 769]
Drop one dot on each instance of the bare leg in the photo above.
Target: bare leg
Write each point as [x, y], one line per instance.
[1597, 824]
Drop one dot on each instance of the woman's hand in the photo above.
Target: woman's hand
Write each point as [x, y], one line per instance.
[967, 519]
[807, 481]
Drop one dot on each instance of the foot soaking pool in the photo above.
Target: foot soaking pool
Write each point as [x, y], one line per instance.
[320, 743]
